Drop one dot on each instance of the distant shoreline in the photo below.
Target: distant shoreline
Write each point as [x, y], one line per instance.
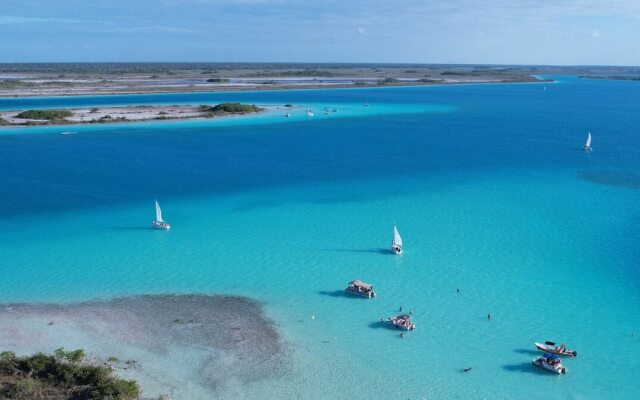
[222, 89]
[111, 79]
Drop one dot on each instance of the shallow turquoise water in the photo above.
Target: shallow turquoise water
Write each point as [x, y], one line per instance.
[488, 187]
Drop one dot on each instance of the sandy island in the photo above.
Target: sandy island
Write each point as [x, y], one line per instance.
[121, 114]
[187, 346]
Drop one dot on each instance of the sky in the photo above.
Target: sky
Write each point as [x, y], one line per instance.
[549, 32]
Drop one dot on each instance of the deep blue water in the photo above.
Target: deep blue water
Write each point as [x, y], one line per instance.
[491, 192]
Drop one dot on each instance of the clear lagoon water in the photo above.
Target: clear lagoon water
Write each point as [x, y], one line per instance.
[487, 184]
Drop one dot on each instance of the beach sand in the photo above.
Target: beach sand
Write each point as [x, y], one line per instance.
[186, 346]
[116, 114]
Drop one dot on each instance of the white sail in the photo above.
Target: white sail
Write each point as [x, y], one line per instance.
[588, 144]
[158, 213]
[397, 240]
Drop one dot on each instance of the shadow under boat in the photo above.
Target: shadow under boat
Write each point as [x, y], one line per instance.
[379, 324]
[378, 251]
[338, 293]
[133, 228]
[528, 351]
[525, 367]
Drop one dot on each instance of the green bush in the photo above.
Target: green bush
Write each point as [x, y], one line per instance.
[60, 376]
[235, 108]
[45, 114]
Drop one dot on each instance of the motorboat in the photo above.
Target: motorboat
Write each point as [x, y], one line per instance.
[587, 145]
[359, 288]
[402, 321]
[67, 133]
[550, 347]
[396, 243]
[287, 115]
[310, 112]
[159, 223]
[550, 362]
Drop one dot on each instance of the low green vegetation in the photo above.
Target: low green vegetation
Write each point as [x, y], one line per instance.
[16, 84]
[107, 118]
[230, 108]
[3, 122]
[49, 115]
[62, 376]
[388, 81]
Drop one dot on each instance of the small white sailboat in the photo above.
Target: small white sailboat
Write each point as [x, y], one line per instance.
[159, 223]
[310, 112]
[396, 244]
[587, 146]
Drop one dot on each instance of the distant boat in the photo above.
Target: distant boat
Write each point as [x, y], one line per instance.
[159, 223]
[309, 112]
[366, 104]
[287, 115]
[396, 244]
[587, 146]
[67, 133]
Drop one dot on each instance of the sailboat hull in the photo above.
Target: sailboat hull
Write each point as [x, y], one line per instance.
[161, 225]
[396, 249]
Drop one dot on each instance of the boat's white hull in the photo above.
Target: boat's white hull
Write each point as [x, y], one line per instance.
[551, 349]
[587, 148]
[541, 363]
[161, 225]
[367, 295]
[396, 249]
[399, 323]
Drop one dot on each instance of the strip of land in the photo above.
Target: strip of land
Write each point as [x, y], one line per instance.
[62, 79]
[103, 115]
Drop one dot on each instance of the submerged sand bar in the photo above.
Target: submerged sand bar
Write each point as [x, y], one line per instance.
[188, 346]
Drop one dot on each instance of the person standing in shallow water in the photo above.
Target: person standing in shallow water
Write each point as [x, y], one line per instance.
[489, 317]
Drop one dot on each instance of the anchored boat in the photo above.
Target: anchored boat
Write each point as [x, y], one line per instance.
[159, 223]
[396, 244]
[550, 347]
[587, 145]
[550, 362]
[402, 321]
[359, 288]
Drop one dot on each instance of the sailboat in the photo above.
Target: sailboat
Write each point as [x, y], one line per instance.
[396, 244]
[587, 146]
[159, 223]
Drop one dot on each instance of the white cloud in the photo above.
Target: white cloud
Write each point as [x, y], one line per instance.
[596, 34]
[362, 30]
